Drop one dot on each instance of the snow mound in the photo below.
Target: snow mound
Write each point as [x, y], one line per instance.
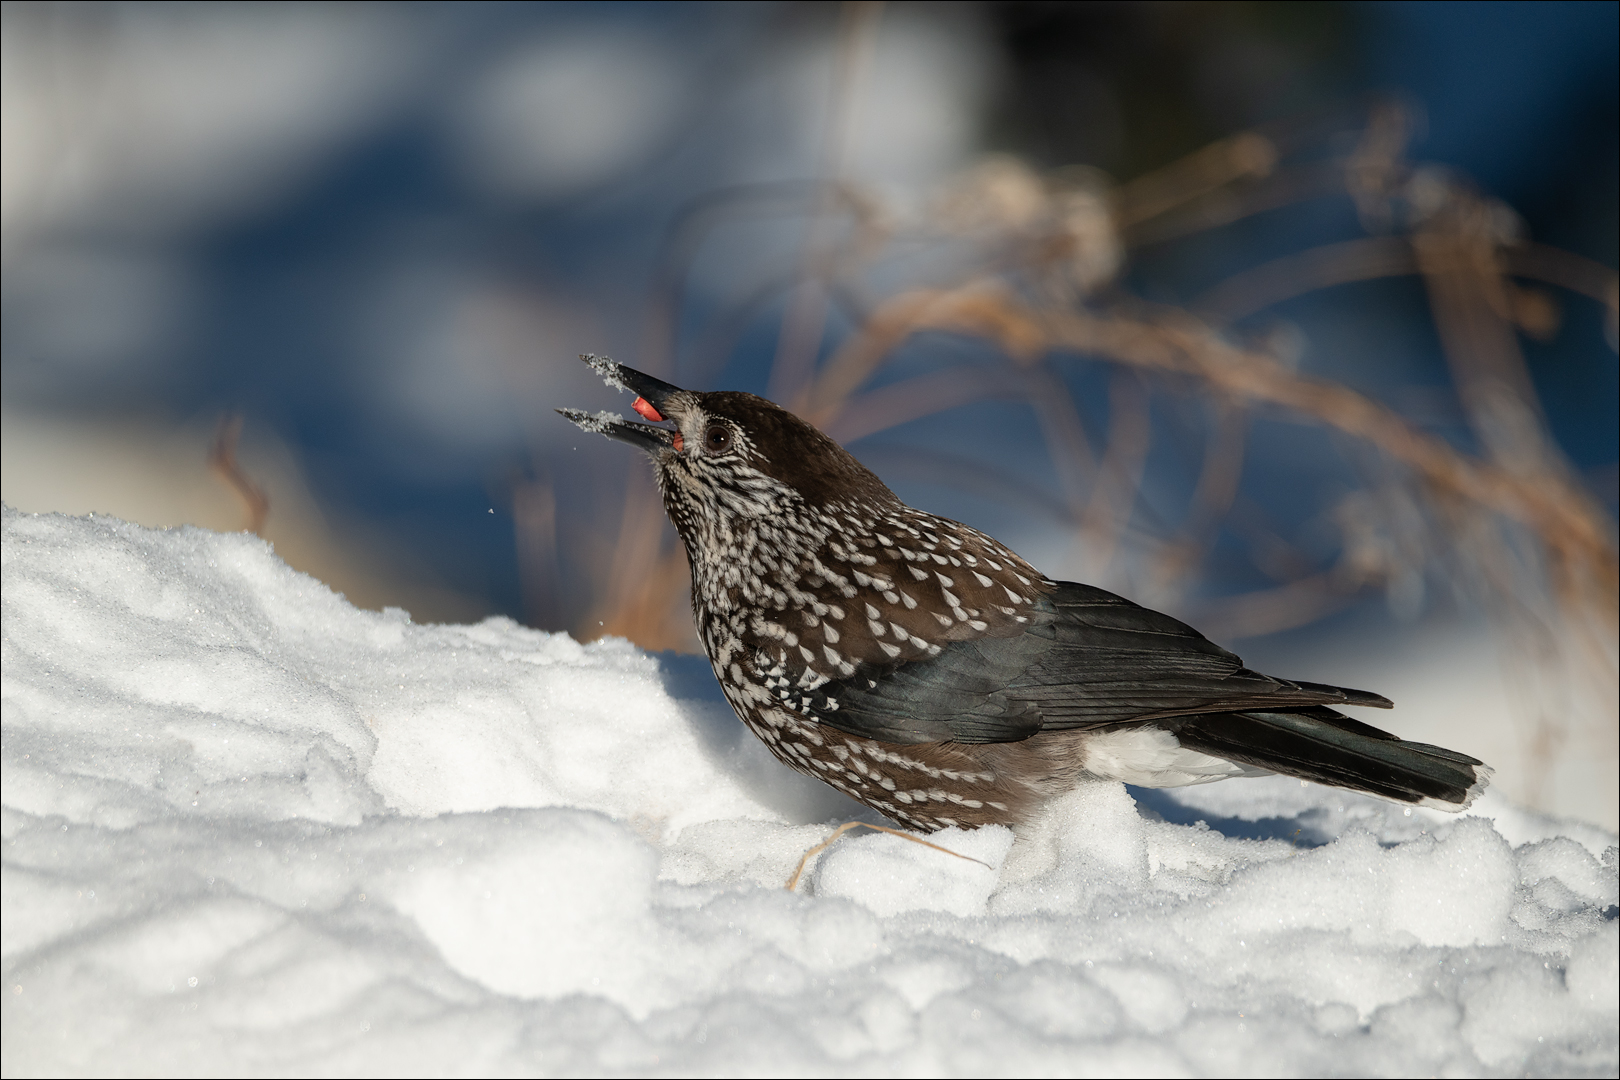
[251, 829]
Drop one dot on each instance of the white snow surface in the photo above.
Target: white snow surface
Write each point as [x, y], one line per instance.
[250, 829]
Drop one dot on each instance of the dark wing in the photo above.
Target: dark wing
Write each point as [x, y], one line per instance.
[1085, 659]
[958, 696]
[1108, 661]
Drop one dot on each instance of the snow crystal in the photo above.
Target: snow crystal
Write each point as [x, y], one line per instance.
[600, 423]
[249, 828]
[611, 371]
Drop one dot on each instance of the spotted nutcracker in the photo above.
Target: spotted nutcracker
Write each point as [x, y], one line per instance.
[922, 668]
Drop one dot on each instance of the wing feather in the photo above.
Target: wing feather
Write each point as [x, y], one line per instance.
[1086, 659]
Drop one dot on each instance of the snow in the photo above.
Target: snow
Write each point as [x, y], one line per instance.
[601, 423]
[249, 828]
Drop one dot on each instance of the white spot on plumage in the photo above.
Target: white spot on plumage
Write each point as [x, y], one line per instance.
[945, 581]
[920, 575]
[944, 620]
[986, 582]
[891, 651]
[905, 598]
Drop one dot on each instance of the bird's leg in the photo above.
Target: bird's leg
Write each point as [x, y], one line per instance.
[793, 882]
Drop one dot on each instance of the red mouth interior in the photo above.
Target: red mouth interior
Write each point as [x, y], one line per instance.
[645, 408]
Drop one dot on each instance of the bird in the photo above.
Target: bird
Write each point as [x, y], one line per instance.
[924, 669]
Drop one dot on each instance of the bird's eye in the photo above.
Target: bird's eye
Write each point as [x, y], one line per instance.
[717, 439]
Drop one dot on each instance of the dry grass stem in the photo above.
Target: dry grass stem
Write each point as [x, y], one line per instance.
[1243, 156]
[1119, 478]
[222, 460]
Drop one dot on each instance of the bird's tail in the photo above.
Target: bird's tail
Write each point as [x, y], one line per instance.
[1318, 743]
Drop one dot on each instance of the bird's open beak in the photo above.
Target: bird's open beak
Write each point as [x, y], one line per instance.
[654, 397]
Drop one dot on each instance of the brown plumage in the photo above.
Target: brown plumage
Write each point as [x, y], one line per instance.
[926, 670]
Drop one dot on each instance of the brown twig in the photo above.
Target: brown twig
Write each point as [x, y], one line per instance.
[222, 460]
[1377, 167]
[1217, 487]
[911, 399]
[1243, 156]
[1119, 478]
[1225, 205]
[1282, 279]
[1285, 607]
[1368, 258]
[1566, 270]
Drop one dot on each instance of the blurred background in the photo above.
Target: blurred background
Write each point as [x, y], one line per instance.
[1297, 320]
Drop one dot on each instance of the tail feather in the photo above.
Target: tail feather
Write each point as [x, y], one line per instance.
[1322, 745]
[1347, 695]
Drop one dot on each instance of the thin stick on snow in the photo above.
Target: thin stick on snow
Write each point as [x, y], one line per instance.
[222, 459]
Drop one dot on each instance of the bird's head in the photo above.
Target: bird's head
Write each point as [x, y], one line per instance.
[726, 455]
